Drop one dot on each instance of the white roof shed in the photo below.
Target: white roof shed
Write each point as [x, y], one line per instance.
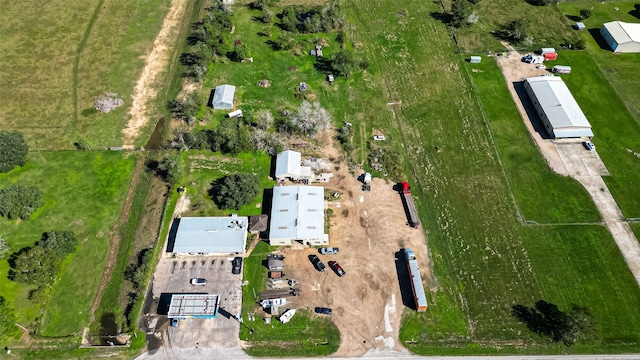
[288, 165]
[223, 97]
[297, 213]
[558, 110]
[211, 235]
[622, 37]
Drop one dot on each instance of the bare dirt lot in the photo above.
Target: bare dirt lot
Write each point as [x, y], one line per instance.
[369, 228]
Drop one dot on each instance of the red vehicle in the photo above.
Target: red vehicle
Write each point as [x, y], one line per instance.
[336, 267]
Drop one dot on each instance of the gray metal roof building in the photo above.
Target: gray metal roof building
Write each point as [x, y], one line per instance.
[203, 306]
[560, 113]
[288, 165]
[211, 235]
[297, 214]
[223, 97]
[621, 37]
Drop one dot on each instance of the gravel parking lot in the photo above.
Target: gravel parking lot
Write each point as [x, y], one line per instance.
[173, 276]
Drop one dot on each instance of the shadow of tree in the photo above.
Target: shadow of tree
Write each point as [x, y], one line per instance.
[444, 17]
[636, 11]
[574, 17]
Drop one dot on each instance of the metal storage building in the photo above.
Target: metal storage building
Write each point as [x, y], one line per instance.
[223, 97]
[560, 113]
[297, 214]
[622, 37]
[288, 165]
[210, 235]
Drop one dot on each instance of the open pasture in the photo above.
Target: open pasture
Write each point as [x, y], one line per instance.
[463, 159]
[59, 56]
[83, 192]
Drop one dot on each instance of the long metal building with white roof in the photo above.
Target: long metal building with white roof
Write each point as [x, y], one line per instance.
[622, 37]
[297, 214]
[209, 235]
[560, 113]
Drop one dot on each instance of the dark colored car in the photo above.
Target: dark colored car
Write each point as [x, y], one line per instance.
[336, 267]
[315, 260]
[236, 265]
[323, 310]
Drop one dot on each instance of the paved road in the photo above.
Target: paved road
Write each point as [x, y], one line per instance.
[237, 353]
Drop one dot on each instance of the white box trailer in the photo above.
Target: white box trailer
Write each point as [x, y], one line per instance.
[237, 113]
[561, 69]
[547, 51]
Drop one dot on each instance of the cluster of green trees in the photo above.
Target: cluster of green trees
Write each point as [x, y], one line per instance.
[309, 20]
[207, 41]
[234, 191]
[13, 150]
[38, 265]
[19, 201]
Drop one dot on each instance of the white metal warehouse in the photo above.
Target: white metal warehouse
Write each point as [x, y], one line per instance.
[297, 214]
[288, 165]
[622, 37]
[560, 113]
[223, 97]
[210, 235]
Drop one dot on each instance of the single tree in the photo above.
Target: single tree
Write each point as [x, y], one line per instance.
[460, 11]
[234, 191]
[342, 63]
[19, 201]
[5, 248]
[169, 169]
[240, 52]
[517, 30]
[13, 150]
[311, 118]
[585, 13]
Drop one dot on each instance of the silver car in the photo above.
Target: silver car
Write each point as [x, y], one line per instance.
[329, 250]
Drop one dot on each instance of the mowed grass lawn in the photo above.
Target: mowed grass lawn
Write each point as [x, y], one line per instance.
[484, 260]
[201, 168]
[60, 55]
[83, 192]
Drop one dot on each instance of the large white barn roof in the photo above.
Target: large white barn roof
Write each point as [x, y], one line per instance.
[623, 32]
[561, 108]
[297, 213]
[217, 235]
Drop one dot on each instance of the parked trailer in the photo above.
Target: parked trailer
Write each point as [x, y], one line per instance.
[409, 205]
[561, 69]
[416, 281]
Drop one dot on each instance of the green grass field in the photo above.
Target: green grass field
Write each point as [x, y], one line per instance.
[83, 192]
[201, 168]
[59, 56]
[484, 259]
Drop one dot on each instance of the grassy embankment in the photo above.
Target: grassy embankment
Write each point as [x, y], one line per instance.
[485, 260]
[84, 196]
[59, 56]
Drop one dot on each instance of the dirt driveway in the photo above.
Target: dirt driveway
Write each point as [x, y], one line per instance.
[369, 228]
[569, 157]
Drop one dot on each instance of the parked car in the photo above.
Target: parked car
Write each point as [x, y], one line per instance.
[329, 250]
[589, 145]
[323, 310]
[198, 281]
[175, 322]
[236, 265]
[336, 267]
[315, 260]
[379, 137]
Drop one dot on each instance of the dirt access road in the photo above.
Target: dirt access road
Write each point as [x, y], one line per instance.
[569, 158]
[156, 63]
[369, 228]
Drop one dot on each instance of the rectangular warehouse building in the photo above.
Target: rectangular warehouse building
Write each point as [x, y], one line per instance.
[622, 37]
[297, 214]
[209, 235]
[288, 165]
[560, 113]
